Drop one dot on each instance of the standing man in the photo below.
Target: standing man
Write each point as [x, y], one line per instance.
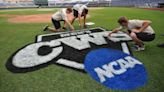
[139, 31]
[61, 15]
[79, 11]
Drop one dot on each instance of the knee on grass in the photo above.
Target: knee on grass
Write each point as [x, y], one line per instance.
[133, 35]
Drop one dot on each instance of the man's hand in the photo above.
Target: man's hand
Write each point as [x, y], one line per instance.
[72, 29]
[110, 34]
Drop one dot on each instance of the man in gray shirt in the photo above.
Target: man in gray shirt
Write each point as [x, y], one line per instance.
[61, 15]
[139, 30]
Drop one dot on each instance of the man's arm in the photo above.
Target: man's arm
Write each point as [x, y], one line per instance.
[72, 28]
[145, 24]
[65, 18]
[115, 30]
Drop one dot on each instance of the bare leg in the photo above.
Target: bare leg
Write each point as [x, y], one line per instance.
[135, 39]
[53, 29]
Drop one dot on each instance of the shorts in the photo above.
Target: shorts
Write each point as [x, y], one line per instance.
[76, 13]
[56, 23]
[144, 36]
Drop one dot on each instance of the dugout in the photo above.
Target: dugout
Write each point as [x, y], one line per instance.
[160, 5]
[41, 2]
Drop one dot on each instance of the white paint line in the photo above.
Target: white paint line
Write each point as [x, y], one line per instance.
[39, 38]
[69, 63]
[125, 48]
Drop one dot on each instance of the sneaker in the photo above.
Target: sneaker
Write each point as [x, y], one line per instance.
[45, 28]
[138, 48]
[142, 48]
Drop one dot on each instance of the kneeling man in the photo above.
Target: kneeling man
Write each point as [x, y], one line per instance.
[139, 31]
[61, 15]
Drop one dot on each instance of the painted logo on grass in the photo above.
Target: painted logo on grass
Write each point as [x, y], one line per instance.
[115, 69]
[67, 49]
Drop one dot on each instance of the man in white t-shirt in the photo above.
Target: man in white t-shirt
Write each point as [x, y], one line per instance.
[139, 30]
[79, 11]
[61, 15]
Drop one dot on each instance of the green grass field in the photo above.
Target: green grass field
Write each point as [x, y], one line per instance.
[59, 79]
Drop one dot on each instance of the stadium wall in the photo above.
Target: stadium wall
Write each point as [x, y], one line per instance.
[9, 4]
[12, 4]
